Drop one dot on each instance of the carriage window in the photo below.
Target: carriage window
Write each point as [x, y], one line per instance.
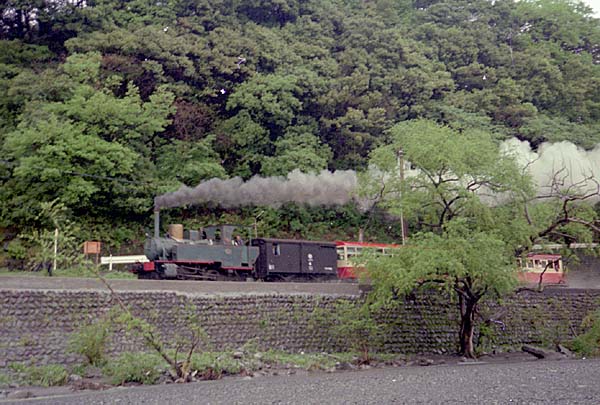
[276, 249]
[340, 253]
[351, 251]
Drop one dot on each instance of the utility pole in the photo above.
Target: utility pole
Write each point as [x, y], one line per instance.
[400, 156]
[55, 253]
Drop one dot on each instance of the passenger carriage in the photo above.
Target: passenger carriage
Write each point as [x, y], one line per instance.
[347, 251]
[547, 266]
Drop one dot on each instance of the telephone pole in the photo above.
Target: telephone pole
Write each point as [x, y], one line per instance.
[400, 156]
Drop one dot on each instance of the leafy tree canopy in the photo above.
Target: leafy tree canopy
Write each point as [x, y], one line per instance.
[266, 86]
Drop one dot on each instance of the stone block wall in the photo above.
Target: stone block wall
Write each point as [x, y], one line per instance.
[35, 325]
[540, 318]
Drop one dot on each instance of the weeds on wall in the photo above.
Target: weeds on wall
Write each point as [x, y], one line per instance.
[5, 380]
[588, 343]
[187, 342]
[45, 376]
[353, 325]
[143, 368]
[90, 342]
[189, 338]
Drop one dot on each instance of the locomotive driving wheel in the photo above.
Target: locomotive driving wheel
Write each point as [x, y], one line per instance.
[211, 275]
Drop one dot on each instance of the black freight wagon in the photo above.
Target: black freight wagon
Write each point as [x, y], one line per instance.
[290, 260]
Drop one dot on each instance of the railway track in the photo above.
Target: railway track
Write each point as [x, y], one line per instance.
[187, 287]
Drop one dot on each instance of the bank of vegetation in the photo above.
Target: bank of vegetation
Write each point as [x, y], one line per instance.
[105, 104]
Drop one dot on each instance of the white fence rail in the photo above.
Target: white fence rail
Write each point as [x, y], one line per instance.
[110, 260]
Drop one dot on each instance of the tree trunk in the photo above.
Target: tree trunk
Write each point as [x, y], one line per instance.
[468, 309]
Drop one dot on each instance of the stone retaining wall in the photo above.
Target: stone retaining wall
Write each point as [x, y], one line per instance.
[35, 325]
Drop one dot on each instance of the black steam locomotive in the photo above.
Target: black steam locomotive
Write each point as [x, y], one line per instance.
[219, 253]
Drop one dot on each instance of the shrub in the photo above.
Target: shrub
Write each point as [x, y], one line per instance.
[588, 344]
[16, 250]
[46, 376]
[306, 361]
[90, 342]
[360, 330]
[5, 380]
[212, 365]
[143, 368]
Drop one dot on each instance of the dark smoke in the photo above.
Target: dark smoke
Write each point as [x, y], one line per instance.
[325, 188]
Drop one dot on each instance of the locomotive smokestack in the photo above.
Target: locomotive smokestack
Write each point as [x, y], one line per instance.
[156, 223]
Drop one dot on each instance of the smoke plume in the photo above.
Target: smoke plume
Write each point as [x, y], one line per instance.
[574, 165]
[325, 188]
[340, 187]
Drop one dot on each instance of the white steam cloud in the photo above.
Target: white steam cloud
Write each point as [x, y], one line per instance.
[574, 165]
[325, 188]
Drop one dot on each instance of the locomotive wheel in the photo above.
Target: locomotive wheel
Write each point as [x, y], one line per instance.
[148, 275]
[212, 275]
[197, 273]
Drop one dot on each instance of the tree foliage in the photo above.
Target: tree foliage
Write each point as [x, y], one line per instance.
[473, 210]
[120, 88]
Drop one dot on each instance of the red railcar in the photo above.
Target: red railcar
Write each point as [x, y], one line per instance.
[346, 251]
[547, 266]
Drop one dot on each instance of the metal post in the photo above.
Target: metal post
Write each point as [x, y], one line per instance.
[55, 249]
[401, 172]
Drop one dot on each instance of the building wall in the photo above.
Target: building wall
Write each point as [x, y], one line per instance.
[35, 325]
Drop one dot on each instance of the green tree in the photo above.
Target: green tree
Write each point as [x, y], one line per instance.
[85, 147]
[269, 99]
[459, 260]
[57, 160]
[55, 230]
[253, 72]
[299, 149]
[243, 143]
[475, 210]
[188, 163]
[458, 247]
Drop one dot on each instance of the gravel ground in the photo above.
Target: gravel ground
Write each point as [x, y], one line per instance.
[531, 382]
[188, 287]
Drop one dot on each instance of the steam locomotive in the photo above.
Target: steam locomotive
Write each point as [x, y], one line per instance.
[219, 253]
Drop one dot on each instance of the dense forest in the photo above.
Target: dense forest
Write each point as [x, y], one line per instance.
[105, 104]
